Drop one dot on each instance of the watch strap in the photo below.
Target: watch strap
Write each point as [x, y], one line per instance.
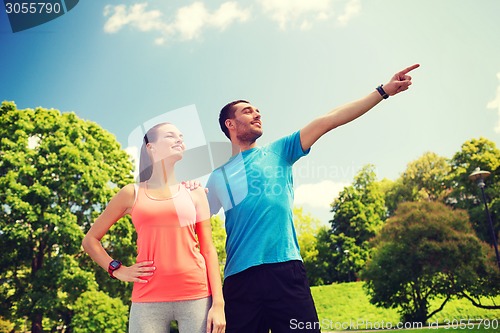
[113, 266]
[382, 92]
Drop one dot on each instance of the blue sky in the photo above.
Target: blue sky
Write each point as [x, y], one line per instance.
[122, 63]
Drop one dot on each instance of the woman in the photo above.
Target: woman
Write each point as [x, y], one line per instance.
[176, 275]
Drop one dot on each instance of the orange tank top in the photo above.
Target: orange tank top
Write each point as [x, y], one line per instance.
[166, 235]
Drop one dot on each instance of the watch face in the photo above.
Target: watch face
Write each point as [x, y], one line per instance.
[115, 264]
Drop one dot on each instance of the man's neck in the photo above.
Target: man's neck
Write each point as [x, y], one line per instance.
[242, 146]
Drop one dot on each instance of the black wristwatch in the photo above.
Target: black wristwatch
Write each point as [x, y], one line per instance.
[113, 266]
[382, 92]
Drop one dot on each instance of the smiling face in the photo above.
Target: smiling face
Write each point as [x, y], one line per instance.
[168, 143]
[246, 126]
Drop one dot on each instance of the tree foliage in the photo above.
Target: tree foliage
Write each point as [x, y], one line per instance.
[427, 250]
[477, 153]
[308, 235]
[6, 326]
[424, 179]
[219, 239]
[57, 172]
[95, 311]
[359, 213]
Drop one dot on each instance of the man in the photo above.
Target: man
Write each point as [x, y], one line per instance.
[265, 285]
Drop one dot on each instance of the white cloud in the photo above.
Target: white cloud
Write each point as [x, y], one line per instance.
[160, 41]
[303, 14]
[495, 104]
[190, 21]
[351, 9]
[318, 195]
[227, 13]
[136, 16]
[306, 25]
[298, 12]
[187, 24]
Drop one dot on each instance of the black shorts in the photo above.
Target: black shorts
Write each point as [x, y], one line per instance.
[272, 297]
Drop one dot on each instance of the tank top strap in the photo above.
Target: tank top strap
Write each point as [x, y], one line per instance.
[136, 192]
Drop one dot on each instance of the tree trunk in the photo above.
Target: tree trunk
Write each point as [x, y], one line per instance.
[36, 323]
[36, 264]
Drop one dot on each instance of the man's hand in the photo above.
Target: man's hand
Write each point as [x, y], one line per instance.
[193, 185]
[400, 81]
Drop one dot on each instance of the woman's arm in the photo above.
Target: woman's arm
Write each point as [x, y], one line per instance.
[117, 207]
[216, 321]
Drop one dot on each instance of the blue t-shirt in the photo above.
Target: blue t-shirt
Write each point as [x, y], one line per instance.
[255, 188]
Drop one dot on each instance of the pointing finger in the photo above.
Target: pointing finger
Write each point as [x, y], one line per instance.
[409, 69]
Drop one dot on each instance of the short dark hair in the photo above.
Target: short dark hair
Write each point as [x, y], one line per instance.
[227, 112]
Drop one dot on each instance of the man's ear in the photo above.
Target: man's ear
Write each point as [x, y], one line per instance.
[229, 123]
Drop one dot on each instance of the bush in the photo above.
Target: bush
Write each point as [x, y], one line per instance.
[95, 311]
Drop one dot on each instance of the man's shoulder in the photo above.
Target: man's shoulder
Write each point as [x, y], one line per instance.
[216, 173]
[283, 141]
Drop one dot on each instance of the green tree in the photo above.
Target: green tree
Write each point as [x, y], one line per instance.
[308, 228]
[359, 213]
[5, 326]
[424, 179]
[219, 239]
[477, 153]
[95, 311]
[321, 270]
[57, 172]
[424, 251]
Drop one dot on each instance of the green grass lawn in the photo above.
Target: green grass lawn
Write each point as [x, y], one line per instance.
[345, 306]
[455, 329]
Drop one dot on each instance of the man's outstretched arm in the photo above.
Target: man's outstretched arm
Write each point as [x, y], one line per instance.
[343, 114]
